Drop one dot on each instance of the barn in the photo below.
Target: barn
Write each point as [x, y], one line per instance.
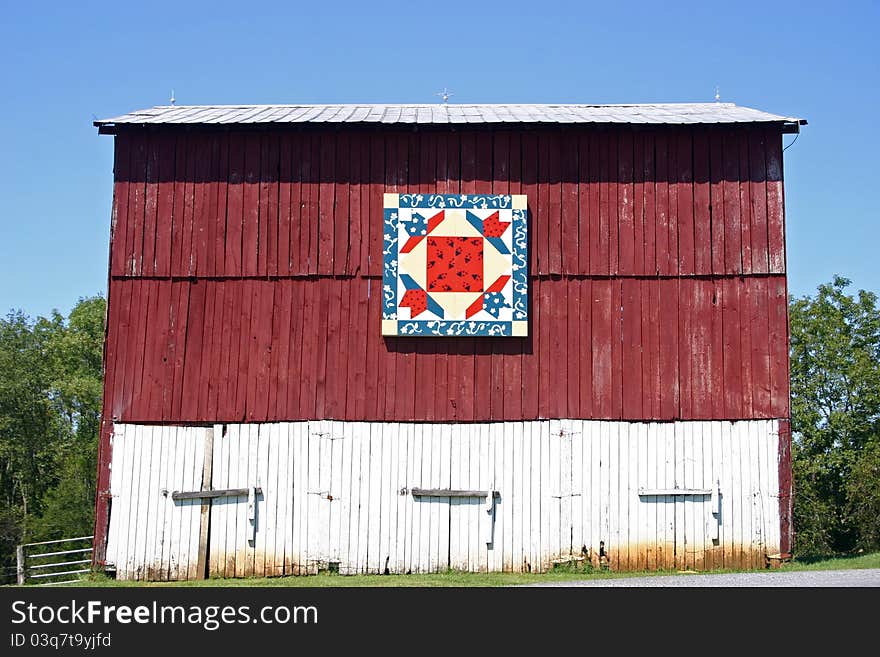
[412, 338]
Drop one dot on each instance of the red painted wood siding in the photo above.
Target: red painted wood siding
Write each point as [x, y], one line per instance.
[245, 277]
[280, 349]
[602, 203]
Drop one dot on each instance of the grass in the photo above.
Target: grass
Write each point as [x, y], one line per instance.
[849, 562]
[463, 579]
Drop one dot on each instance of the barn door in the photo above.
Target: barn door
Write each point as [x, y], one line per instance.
[151, 535]
[249, 529]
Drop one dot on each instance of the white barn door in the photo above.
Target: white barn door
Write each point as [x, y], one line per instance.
[152, 536]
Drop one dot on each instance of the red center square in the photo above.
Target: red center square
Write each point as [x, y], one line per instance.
[455, 264]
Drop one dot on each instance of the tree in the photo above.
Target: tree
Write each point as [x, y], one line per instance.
[835, 383]
[50, 404]
[75, 356]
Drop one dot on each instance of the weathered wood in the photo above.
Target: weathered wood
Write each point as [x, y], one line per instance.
[449, 492]
[602, 477]
[659, 492]
[205, 514]
[213, 494]
[672, 306]
[21, 570]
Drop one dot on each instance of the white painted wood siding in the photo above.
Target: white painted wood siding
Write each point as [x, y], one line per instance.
[338, 494]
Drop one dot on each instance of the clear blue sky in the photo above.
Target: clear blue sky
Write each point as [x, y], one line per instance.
[66, 64]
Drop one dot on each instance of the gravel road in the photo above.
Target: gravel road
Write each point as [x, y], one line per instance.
[804, 578]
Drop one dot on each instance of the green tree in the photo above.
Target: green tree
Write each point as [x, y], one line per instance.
[29, 427]
[75, 355]
[835, 380]
[50, 404]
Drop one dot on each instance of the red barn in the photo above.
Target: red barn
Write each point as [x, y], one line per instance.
[406, 338]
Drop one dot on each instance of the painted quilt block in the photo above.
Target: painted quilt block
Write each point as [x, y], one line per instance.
[455, 265]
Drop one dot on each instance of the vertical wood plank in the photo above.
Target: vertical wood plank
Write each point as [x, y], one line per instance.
[556, 491]
[134, 246]
[777, 302]
[625, 211]
[158, 349]
[684, 189]
[341, 213]
[760, 331]
[203, 228]
[651, 179]
[649, 511]
[288, 231]
[210, 353]
[586, 388]
[269, 199]
[375, 536]
[745, 203]
[509, 468]
[546, 502]
[775, 203]
[359, 352]
[326, 203]
[586, 210]
[617, 348]
[638, 173]
[530, 189]
[266, 477]
[138, 538]
[441, 514]
[573, 347]
[757, 182]
[602, 335]
[702, 205]
[670, 396]
[119, 221]
[164, 204]
[570, 220]
[651, 373]
[732, 222]
[337, 363]
[251, 206]
[217, 541]
[664, 261]
[217, 204]
[632, 347]
[578, 510]
[140, 298]
[552, 343]
[534, 454]
[197, 454]
[375, 189]
[603, 265]
[552, 174]
[732, 332]
[323, 376]
[232, 260]
[676, 177]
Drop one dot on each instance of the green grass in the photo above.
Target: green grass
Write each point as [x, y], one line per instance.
[852, 562]
[463, 579]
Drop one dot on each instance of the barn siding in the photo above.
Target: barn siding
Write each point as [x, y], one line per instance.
[565, 485]
[244, 276]
[672, 202]
[289, 349]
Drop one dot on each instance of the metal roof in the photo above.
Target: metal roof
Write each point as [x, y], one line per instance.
[445, 114]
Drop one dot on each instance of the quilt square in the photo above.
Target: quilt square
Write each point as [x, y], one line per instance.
[455, 265]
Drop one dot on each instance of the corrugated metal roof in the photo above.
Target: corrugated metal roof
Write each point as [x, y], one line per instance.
[442, 114]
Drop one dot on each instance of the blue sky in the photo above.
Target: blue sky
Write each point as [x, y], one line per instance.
[68, 63]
